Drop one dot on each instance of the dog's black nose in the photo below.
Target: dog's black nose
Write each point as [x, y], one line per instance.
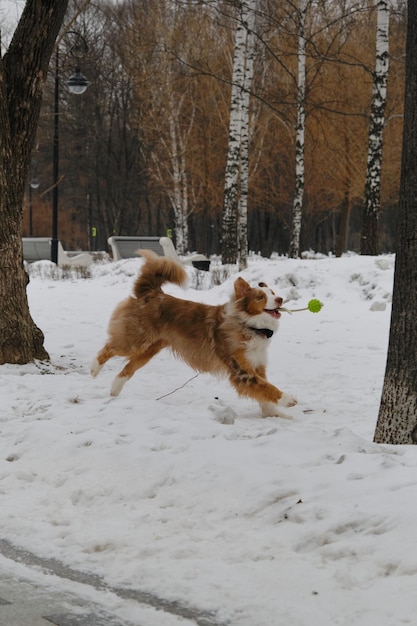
[279, 301]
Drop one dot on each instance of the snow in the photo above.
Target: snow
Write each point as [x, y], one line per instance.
[178, 488]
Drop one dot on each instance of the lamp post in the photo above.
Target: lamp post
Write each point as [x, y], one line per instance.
[34, 184]
[77, 84]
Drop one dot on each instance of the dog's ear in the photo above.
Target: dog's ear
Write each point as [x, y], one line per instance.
[241, 287]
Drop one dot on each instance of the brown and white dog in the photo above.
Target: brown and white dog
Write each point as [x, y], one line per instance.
[229, 339]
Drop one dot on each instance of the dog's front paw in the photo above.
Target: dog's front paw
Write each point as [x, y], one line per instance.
[287, 400]
[95, 368]
[118, 384]
[270, 409]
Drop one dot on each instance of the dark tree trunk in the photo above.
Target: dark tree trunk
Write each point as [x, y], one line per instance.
[397, 420]
[22, 74]
[342, 241]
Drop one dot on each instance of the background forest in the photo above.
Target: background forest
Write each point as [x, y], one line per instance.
[151, 132]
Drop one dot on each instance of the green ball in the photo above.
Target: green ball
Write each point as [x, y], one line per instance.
[314, 305]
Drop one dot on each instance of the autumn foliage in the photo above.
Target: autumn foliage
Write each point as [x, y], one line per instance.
[150, 136]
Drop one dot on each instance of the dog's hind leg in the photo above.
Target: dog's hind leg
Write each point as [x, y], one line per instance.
[102, 357]
[136, 361]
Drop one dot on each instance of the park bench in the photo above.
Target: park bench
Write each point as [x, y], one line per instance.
[39, 249]
[124, 247]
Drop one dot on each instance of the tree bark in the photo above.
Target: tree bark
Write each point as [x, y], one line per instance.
[372, 205]
[242, 225]
[179, 193]
[23, 70]
[397, 419]
[234, 236]
[297, 210]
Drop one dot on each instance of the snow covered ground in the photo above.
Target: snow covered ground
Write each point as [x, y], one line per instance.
[178, 487]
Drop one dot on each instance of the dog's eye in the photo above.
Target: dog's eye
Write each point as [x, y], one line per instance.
[260, 296]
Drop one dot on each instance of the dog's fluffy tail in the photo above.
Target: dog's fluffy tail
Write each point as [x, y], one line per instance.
[157, 271]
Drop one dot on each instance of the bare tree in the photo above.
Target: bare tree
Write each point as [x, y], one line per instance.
[397, 420]
[155, 125]
[22, 74]
[234, 231]
[174, 168]
[112, 156]
[369, 239]
[299, 133]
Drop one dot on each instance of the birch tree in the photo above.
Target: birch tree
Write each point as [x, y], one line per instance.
[23, 70]
[369, 236]
[234, 227]
[397, 419]
[299, 133]
[245, 145]
[179, 194]
[172, 170]
[158, 60]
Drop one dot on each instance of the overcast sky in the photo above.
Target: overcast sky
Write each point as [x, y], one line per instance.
[10, 10]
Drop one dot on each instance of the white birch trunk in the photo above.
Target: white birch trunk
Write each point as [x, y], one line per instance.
[245, 142]
[297, 211]
[369, 240]
[179, 194]
[238, 128]
[173, 167]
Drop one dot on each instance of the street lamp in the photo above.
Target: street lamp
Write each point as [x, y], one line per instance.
[34, 184]
[77, 84]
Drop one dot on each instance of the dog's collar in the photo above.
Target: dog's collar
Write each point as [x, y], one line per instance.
[266, 332]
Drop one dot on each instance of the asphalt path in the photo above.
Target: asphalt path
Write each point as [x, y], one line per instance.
[36, 591]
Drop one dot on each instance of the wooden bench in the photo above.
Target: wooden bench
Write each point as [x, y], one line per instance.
[39, 249]
[124, 247]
